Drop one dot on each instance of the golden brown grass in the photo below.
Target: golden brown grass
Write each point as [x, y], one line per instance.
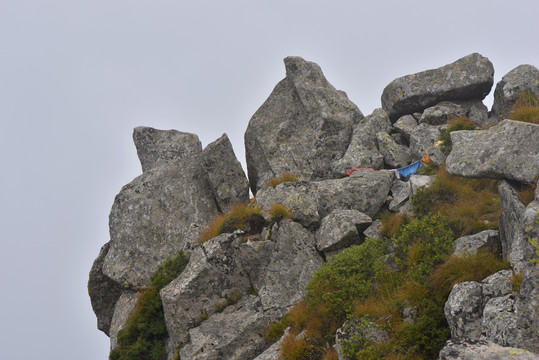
[466, 268]
[279, 212]
[526, 108]
[392, 222]
[294, 347]
[516, 281]
[285, 177]
[527, 193]
[240, 216]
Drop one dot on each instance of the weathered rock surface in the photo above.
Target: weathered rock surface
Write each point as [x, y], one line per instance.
[104, 292]
[422, 140]
[463, 310]
[362, 152]
[274, 351]
[159, 213]
[227, 179]
[124, 307]
[395, 155]
[236, 333]
[466, 349]
[445, 111]
[497, 285]
[405, 125]
[520, 79]
[163, 147]
[509, 150]
[511, 230]
[471, 244]
[500, 321]
[470, 77]
[401, 192]
[340, 229]
[375, 230]
[302, 127]
[212, 279]
[364, 191]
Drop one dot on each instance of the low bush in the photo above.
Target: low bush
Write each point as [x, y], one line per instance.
[526, 108]
[286, 177]
[145, 331]
[248, 218]
[470, 267]
[473, 204]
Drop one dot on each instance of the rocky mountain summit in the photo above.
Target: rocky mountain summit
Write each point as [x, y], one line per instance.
[243, 278]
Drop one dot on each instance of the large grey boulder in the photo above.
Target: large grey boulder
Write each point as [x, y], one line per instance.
[508, 150]
[212, 279]
[303, 126]
[466, 349]
[236, 333]
[405, 125]
[160, 212]
[445, 111]
[470, 77]
[471, 244]
[291, 264]
[364, 191]
[104, 292]
[340, 229]
[362, 152]
[395, 155]
[123, 309]
[422, 141]
[511, 231]
[227, 179]
[464, 311]
[163, 147]
[520, 79]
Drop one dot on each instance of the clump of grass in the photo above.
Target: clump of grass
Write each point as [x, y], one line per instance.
[458, 123]
[470, 267]
[429, 168]
[294, 347]
[527, 193]
[248, 218]
[526, 108]
[278, 212]
[285, 177]
[392, 223]
[145, 333]
[473, 204]
[516, 281]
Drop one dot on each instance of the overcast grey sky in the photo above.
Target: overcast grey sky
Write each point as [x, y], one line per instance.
[77, 76]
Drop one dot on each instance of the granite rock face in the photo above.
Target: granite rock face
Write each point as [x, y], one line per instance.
[520, 79]
[466, 349]
[302, 127]
[463, 310]
[509, 150]
[227, 179]
[470, 77]
[471, 244]
[341, 229]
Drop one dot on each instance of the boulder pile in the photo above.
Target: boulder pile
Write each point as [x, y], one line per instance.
[235, 285]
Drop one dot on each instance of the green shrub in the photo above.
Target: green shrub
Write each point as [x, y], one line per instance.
[286, 177]
[423, 244]
[145, 332]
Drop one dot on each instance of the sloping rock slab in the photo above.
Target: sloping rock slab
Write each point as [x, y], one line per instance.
[464, 310]
[227, 179]
[341, 229]
[471, 244]
[470, 77]
[465, 349]
[213, 275]
[364, 191]
[511, 230]
[236, 333]
[520, 79]
[508, 150]
[301, 128]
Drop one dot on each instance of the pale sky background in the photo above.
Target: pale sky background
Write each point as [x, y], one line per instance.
[77, 76]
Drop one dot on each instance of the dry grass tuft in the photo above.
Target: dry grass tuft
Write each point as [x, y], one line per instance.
[286, 177]
[467, 268]
[516, 281]
[392, 223]
[526, 108]
[278, 212]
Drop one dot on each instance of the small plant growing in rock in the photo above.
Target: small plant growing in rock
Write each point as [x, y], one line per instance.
[526, 108]
[516, 281]
[248, 218]
[278, 212]
[285, 177]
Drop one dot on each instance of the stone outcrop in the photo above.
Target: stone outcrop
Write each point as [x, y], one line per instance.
[227, 179]
[236, 284]
[520, 79]
[302, 127]
[465, 349]
[509, 150]
[470, 77]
